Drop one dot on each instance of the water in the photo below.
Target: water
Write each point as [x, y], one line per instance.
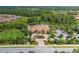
[34, 50]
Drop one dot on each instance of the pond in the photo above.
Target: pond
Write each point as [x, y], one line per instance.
[40, 37]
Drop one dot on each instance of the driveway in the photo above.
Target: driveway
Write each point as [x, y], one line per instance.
[40, 39]
[41, 43]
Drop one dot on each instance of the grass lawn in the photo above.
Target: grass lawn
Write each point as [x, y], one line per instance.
[17, 46]
[33, 46]
[63, 46]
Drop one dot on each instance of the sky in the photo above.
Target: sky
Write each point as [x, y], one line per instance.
[39, 2]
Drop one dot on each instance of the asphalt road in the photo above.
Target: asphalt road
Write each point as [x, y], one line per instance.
[34, 50]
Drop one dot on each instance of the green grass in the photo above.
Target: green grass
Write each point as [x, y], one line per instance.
[33, 46]
[12, 33]
[17, 46]
[63, 46]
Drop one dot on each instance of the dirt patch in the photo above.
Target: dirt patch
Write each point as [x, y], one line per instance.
[7, 17]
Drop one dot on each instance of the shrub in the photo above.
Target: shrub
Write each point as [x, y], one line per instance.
[33, 42]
